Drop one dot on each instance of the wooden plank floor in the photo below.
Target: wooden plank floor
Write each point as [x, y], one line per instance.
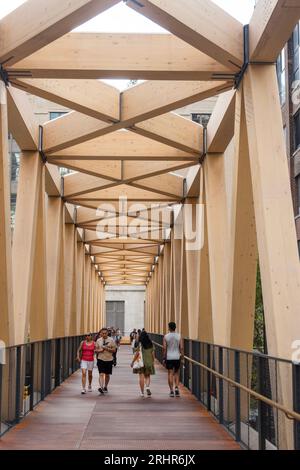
[121, 420]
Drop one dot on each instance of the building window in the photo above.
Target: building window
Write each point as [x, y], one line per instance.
[296, 55]
[298, 192]
[297, 130]
[15, 166]
[65, 171]
[281, 77]
[56, 114]
[201, 118]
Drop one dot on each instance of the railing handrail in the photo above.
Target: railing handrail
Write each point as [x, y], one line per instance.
[244, 351]
[19, 345]
[290, 414]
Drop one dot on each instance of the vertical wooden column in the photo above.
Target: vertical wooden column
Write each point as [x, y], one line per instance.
[217, 229]
[176, 246]
[55, 266]
[242, 250]
[156, 301]
[147, 310]
[79, 252]
[184, 312]
[70, 279]
[205, 324]
[24, 240]
[99, 303]
[39, 299]
[29, 252]
[192, 213]
[6, 279]
[87, 277]
[168, 285]
[275, 224]
[162, 293]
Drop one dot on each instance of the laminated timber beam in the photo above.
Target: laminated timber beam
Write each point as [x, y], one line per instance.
[90, 97]
[78, 184]
[122, 171]
[122, 145]
[203, 25]
[37, 23]
[162, 97]
[161, 217]
[53, 180]
[271, 26]
[116, 55]
[21, 120]
[145, 250]
[148, 209]
[174, 130]
[123, 191]
[220, 129]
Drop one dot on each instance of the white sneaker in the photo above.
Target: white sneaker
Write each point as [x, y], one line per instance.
[142, 395]
[90, 389]
[83, 391]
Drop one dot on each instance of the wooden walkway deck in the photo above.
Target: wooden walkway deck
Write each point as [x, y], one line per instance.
[121, 420]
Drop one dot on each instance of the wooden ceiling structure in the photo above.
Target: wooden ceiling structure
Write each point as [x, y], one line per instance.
[136, 163]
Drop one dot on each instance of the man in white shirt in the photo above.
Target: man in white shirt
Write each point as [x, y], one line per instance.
[172, 353]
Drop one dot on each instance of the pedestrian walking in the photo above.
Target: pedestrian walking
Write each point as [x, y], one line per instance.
[85, 355]
[172, 354]
[143, 362]
[105, 347]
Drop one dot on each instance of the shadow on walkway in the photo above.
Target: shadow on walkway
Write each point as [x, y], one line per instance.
[121, 420]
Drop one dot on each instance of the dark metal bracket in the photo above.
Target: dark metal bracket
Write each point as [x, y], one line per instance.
[240, 75]
[4, 75]
[40, 149]
[202, 158]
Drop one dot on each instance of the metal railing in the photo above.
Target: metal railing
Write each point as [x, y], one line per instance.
[31, 372]
[255, 396]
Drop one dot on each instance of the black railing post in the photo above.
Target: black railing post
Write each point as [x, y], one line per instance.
[208, 378]
[43, 370]
[32, 359]
[221, 389]
[261, 406]
[57, 363]
[48, 368]
[18, 383]
[237, 376]
[201, 372]
[296, 403]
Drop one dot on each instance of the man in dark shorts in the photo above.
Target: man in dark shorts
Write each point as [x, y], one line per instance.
[105, 347]
[172, 353]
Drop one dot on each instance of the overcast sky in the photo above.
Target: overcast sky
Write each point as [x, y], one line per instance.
[120, 18]
[123, 19]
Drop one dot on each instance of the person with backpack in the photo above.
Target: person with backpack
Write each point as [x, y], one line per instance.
[85, 355]
[143, 362]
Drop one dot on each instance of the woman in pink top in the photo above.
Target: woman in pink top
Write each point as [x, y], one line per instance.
[85, 355]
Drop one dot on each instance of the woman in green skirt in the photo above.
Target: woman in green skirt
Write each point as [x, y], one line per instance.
[144, 355]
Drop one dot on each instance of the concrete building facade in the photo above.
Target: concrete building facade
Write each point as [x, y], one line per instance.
[133, 298]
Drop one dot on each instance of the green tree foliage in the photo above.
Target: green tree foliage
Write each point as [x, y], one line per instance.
[259, 322]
